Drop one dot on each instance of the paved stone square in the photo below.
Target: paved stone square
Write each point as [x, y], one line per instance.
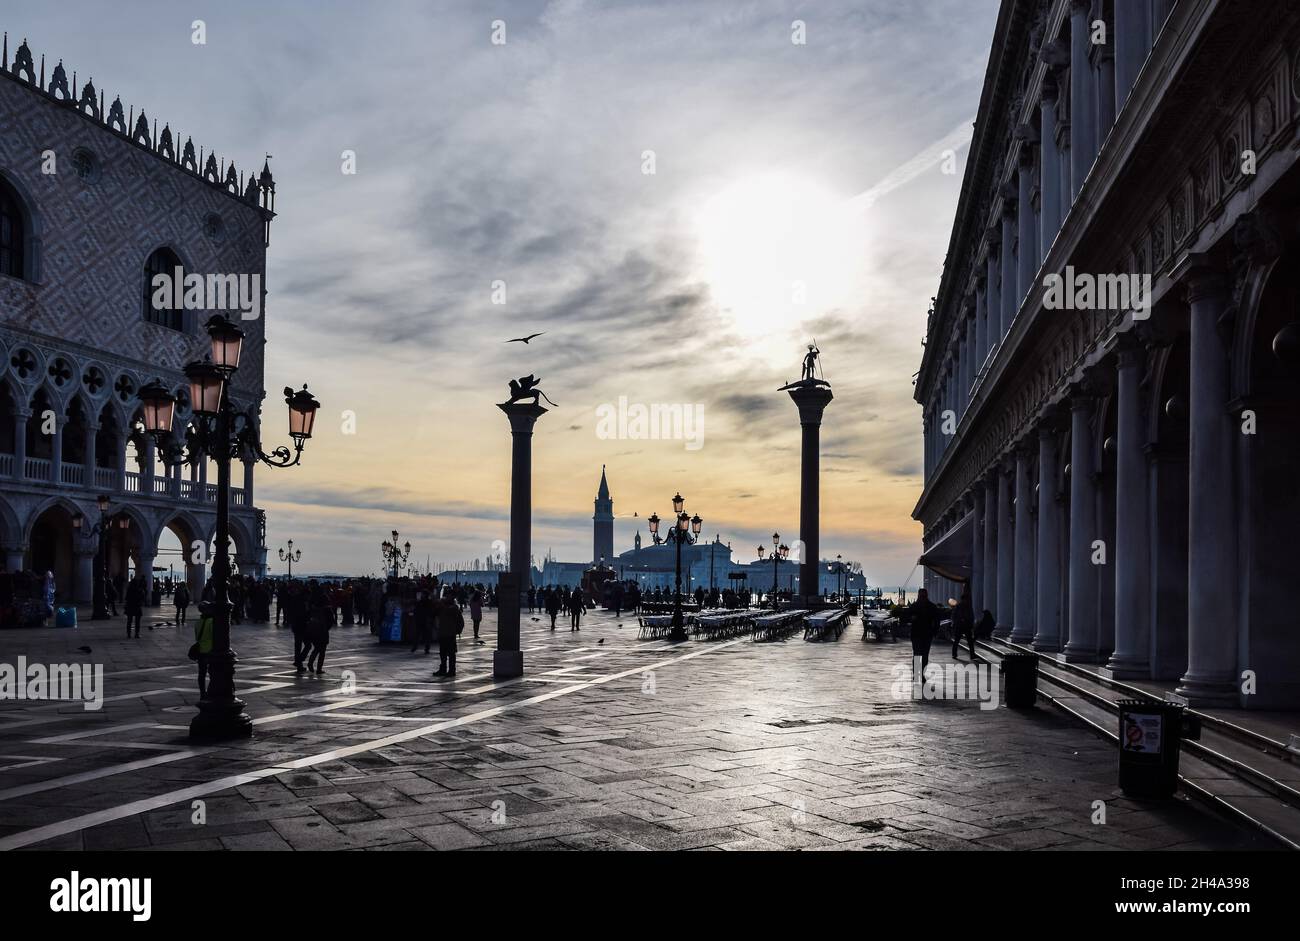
[607, 742]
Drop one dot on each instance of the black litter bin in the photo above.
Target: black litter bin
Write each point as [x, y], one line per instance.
[1021, 673]
[1150, 739]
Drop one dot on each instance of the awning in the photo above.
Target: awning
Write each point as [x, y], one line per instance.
[950, 557]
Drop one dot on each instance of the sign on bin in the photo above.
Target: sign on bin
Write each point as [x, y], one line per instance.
[1143, 732]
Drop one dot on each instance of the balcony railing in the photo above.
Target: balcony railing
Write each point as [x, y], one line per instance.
[41, 470]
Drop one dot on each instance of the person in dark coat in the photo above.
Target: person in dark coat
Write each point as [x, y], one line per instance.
[575, 610]
[450, 623]
[984, 630]
[925, 624]
[425, 613]
[963, 625]
[181, 599]
[320, 616]
[552, 605]
[134, 604]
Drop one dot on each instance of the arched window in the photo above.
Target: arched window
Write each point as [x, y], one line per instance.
[170, 314]
[13, 225]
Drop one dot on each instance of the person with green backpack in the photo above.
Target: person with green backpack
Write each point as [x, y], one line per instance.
[202, 648]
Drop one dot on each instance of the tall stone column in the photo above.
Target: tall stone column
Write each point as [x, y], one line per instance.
[1082, 645]
[508, 659]
[990, 545]
[21, 416]
[1132, 526]
[1006, 612]
[88, 450]
[977, 551]
[1025, 611]
[1105, 90]
[1132, 43]
[249, 467]
[56, 451]
[994, 277]
[1083, 103]
[981, 325]
[1010, 297]
[1050, 162]
[146, 474]
[1211, 675]
[811, 401]
[1048, 577]
[84, 572]
[1028, 230]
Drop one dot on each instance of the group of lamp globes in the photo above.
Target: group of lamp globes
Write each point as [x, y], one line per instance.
[223, 432]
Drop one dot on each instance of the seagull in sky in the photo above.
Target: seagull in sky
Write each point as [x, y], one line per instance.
[524, 339]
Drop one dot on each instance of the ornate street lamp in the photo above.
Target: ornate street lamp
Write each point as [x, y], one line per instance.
[291, 555]
[395, 556]
[99, 532]
[780, 552]
[223, 432]
[685, 531]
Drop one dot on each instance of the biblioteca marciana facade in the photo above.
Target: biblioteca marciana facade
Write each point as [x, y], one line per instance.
[93, 204]
[1118, 477]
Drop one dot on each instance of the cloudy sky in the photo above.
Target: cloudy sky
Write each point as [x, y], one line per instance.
[798, 191]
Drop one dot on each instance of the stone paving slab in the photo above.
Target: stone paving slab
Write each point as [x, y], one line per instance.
[606, 743]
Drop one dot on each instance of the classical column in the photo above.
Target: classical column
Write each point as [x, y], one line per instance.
[1050, 162]
[56, 451]
[981, 325]
[1025, 613]
[1082, 645]
[990, 545]
[88, 452]
[1048, 577]
[146, 474]
[1010, 298]
[1105, 71]
[1212, 582]
[811, 401]
[175, 473]
[249, 467]
[146, 569]
[1132, 550]
[508, 659]
[22, 415]
[203, 478]
[1029, 258]
[84, 576]
[1083, 104]
[1132, 43]
[977, 552]
[994, 277]
[1006, 557]
[119, 449]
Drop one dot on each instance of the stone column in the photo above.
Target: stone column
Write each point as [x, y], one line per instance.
[84, 572]
[1105, 71]
[1010, 297]
[1132, 43]
[990, 545]
[203, 477]
[1025, 613]
[120, 459]
[1132, 550]
[88, 449]
[977, 552]
[146, 569]
[811, 401]
[994, 277]
[1028, 231]
[981, 326]
[146, 474]
[249, 467]
[1006, 557]
[1083, 103]
[1048, 577]
[508, 659]
[1211, 677]
[1050, 161]
[21, 416]
[56, 450]
[1082, 645]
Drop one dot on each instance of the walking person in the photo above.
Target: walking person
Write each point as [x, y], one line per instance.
[110, 596]
[963, 625]
[181, 599]
[425, 612]
[321, 616]
[203, 635]
[552, 605]
[575, 610]
[450, 623]
[476, 608]
[925, 624]
[134, 604]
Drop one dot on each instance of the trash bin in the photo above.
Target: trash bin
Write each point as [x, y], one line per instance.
[1021, 673]
[1150, 739]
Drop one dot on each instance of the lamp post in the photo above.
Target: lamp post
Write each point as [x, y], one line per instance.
[223, 432]
[839, 579]
[99, 532]
[291, 555]
[395, 556]
[780, 552]
[685, 532]
[713, 545]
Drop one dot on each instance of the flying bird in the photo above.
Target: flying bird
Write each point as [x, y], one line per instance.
[531, 336]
